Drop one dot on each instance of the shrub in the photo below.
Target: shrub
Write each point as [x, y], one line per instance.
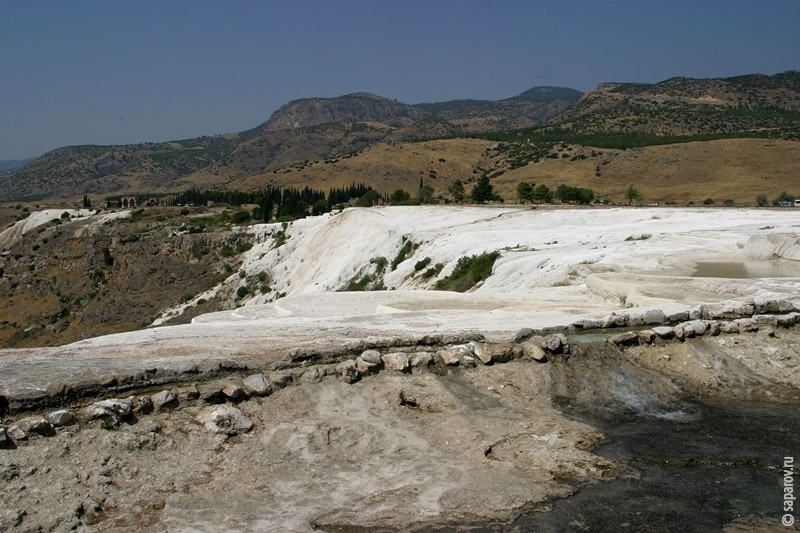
[380, 264]
[762, 200]
[243, 247]
[433, 271]
[240, 217]
[226, 251]
[400, 197]
[468, 272]
[241, 292]
[729, 203]
[422, 263]
[708, 201]
[402, 254]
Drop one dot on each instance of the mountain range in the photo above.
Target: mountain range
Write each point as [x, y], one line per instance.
[330, 132]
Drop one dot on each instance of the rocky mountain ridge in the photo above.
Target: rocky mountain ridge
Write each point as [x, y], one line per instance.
[324, 129]
[301, 130]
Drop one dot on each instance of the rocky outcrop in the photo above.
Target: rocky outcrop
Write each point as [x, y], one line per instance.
[358, 107]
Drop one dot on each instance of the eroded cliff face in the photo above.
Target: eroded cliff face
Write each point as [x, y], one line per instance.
[72, 280]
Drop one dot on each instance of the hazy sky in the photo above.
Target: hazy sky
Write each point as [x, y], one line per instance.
[111, 72]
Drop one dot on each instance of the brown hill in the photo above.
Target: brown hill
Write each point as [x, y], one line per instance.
[725, 169]
[317, 142]
[302, 130]
[686, 106]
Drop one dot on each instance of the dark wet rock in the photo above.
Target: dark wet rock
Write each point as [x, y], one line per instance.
[211, 392]
[647, 336]
[234, 392]
[629, 338]
[280, 378]
[523, 335]
[586, 323]
[5, 439]
[787, 320]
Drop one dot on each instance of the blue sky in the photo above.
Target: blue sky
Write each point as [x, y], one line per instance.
[113, 72]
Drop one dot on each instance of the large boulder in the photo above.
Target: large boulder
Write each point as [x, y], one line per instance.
[371, 356]
[452, 355]
[257, 385]
[555, 342]
[664, 332]
[397, 361]
[366, 368]
[492, 353]
[62, 417]
[420, 359]
[164, 400]
[112, 408]
[234, 391]
[655, 316]
[533, 350]
[629, 338]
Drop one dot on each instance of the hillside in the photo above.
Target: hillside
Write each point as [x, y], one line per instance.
[686, 106]
[545, 135]
[302, 130]
[67, 276]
